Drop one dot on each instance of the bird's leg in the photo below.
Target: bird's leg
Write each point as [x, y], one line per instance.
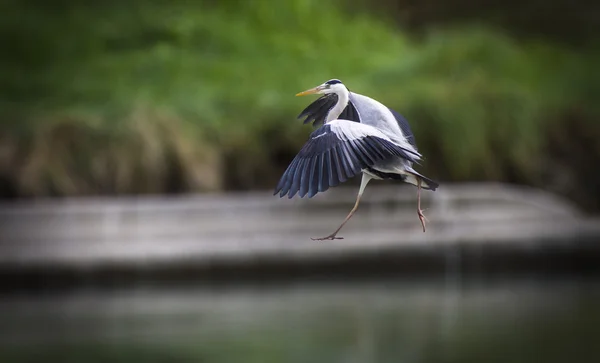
[363, 184]
[333, 235]
[419, 211]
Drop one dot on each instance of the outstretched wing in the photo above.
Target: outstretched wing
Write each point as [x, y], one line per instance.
[336, 152]
[317, 111]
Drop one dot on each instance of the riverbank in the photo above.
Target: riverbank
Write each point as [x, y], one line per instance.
[475, 228]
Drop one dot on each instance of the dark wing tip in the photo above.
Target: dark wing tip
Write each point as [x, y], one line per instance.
[350, 113]
[317, 111]
[433, 185]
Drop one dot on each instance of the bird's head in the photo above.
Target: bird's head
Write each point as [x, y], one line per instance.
[331, 86]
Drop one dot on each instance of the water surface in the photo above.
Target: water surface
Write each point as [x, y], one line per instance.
[483, 321]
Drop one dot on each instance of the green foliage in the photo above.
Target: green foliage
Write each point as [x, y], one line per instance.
[225, 74]
[484, 100]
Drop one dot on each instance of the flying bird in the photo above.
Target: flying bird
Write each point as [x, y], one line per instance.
[357, 135]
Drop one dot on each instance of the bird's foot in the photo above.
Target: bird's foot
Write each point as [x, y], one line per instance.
[331, 237]
[421, 218]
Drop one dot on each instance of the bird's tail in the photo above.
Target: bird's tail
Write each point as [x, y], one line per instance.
[412, 177]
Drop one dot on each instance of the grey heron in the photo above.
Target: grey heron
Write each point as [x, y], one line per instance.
[358, 135]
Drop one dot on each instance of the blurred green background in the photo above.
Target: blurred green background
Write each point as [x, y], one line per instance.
[122, 97]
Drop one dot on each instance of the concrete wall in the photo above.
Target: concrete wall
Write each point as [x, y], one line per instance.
[258, 229]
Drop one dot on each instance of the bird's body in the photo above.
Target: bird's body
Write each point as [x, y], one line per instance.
[359, 135]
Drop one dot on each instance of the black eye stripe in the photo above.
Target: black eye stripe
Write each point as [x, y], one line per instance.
[333, 81]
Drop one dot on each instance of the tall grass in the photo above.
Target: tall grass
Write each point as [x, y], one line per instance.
[173, 96]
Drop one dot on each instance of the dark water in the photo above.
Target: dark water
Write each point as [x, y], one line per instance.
[508, 321]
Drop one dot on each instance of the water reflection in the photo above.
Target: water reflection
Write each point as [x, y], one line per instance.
[384, 321]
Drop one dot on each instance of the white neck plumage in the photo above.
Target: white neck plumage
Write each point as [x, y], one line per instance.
[336, 111]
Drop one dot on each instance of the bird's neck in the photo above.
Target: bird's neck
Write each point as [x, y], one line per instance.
[336, 111]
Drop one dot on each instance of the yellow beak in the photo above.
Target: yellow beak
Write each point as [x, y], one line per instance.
[311, 91]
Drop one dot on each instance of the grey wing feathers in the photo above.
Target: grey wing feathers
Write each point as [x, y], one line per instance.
[317, 111]
[326, 160]
[405, 127]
